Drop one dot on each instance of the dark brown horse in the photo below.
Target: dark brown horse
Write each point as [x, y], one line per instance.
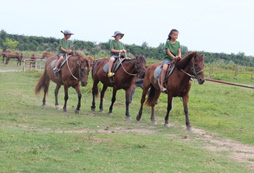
[33, 59]
[123, 79]
[178, 84]
[77, 69]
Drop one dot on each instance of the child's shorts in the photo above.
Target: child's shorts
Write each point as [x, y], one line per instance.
[166, 62]
[60, 54]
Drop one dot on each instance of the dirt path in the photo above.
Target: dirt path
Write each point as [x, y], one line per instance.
[237, 151]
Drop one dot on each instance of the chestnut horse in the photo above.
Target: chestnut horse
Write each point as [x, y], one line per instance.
[47, 55]
[178, 84]
[8, 55]
[123, 79]
[74, 70]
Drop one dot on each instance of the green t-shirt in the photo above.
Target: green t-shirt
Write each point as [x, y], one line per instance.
[66, 44]
[117, 45]
[173, 49]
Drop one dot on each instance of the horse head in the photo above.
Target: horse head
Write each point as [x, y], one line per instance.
[140, 66]
[84, 69]
[197, 67]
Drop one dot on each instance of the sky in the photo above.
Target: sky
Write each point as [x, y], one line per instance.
[204, 25]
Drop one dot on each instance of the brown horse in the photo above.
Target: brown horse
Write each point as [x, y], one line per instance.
[178, 84]
[47, 55]
[123, 79]
[74, 70]
[14, 55]
[33, 59]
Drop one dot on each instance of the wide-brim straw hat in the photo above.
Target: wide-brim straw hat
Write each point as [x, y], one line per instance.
[118, 33]
[67, 32]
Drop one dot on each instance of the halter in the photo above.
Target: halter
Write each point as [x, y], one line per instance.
[193, 72]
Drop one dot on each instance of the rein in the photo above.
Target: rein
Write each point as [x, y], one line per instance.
[123, 66]
[69, 68]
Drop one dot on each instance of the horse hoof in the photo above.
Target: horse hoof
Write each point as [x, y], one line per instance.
[138, 118]
[101, 110]
[76, 111]
[189, 128]
[43, 106]
[128, 117]
[92, 109]
[110, 113]
[167, 125]
[154, 122]
[57, 107]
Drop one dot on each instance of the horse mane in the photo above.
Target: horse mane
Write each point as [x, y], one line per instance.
[181, 64]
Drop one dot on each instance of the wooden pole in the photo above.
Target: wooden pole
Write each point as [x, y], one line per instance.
[230, 83]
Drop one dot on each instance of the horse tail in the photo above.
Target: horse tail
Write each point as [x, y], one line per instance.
[151, 100]
[42, 83]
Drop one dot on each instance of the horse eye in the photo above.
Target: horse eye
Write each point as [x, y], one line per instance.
[82, 69]
[195, 65]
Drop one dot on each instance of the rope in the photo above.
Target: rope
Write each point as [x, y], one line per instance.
[69, 68]
[192, 76]
[123, 66]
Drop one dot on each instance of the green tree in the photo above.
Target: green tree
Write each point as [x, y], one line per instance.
[10, 44]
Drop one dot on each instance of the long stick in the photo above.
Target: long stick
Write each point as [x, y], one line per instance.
[230, 83]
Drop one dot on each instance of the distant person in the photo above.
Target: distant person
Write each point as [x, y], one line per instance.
[64, 47]
[116, 47]
[173, 51]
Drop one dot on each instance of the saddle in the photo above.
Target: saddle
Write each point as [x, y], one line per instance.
[158, 70]
[116, 64]
[62, 63]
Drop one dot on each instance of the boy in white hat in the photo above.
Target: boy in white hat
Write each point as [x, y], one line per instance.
[116, 47]
[64, 47]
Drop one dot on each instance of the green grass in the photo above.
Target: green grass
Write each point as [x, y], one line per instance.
[36, 139]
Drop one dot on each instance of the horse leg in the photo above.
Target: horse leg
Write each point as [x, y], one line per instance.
[58, 86]
[185, 105]
[79, 98]
[94, 92]
[65, 97]
[127, 102]
[156, 96]
[112, 101]
[168, 110]
[102, 95]
[146, 86]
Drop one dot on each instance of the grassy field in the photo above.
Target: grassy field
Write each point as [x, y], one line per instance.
[36, 139]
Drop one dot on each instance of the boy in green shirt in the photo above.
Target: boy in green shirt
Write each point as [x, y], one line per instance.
[64, 47]
[173, 51]
[116, 47]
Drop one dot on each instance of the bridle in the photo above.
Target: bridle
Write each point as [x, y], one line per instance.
[137, 67]
[79, 70]
[194, 73]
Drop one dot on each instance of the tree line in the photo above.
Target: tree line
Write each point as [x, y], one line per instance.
[39, 43]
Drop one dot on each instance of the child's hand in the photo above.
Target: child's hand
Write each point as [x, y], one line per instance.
[123, 51]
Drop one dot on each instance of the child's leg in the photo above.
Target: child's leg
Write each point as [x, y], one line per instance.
[163, 75]
[58, 61]
[111, 60]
